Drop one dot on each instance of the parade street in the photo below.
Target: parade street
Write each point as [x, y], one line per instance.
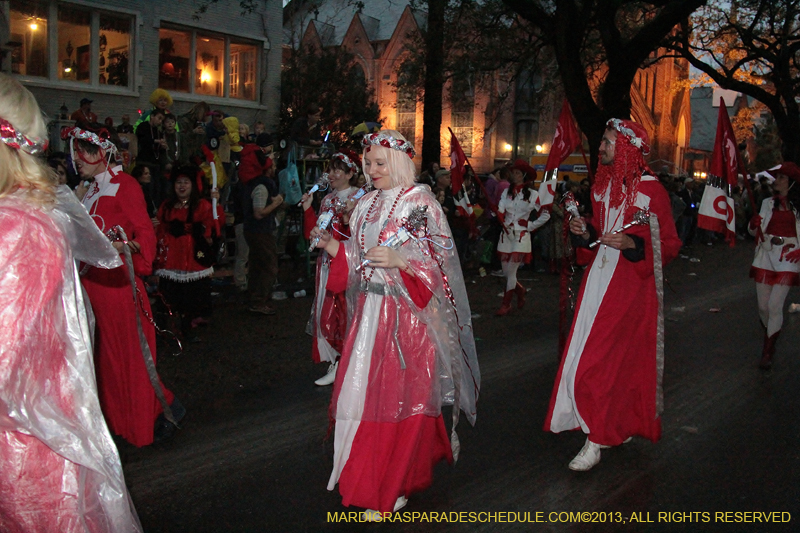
[254, 452]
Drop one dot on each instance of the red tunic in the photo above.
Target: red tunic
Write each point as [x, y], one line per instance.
[176, 254]
[126, 395]
[328, 320]
[607, 382]
[388, 459]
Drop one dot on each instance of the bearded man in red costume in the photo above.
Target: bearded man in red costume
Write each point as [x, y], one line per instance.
[127, 387]
[609, 381]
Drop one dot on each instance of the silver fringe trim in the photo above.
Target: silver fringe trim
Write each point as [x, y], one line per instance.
[148, 356]
[181, 276]
[658, 272]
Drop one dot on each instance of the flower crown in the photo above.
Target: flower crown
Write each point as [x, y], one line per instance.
[387, 141]
[352, 165]
[638, 142]
[94, 138]
[15, 139]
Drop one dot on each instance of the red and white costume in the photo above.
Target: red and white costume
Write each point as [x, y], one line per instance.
[389, 430]
[515, 241]
[608, 378]
[770, 265]
[59, 468]
[176, 255]
[126, 395]
[328, 322]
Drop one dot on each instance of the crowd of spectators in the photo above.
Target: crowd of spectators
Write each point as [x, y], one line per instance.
[162, 140]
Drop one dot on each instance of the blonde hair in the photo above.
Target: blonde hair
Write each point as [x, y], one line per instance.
[19, 169]
[401, 167]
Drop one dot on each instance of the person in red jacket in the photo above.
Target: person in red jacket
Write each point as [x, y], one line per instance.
[184, 272]
[329, 311]
[131, 394]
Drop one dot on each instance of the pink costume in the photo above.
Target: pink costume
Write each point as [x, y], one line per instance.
[59, 468]
[389, 428]
[328, 320]
[128, 399]
[609, 378]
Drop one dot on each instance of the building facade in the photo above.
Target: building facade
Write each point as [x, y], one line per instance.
[491, 130]
[117, 52]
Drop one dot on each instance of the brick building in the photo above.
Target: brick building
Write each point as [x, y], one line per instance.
[116, 52]
[490, 133]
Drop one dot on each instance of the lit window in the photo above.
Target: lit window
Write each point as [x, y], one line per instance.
[28, 38]
[174, 49]
[209, 65]
[243, 71]
[74, 44]
[115, 45]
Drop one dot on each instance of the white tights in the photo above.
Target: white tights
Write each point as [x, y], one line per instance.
[510, 272]
[770, 305]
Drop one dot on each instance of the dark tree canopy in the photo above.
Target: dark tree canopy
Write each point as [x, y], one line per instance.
[332, 79]
[752, 47]
[599, 46]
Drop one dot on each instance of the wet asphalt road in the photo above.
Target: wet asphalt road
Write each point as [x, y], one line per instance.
[253, 455]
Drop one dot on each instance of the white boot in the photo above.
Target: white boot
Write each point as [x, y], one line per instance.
[329, 377]
[400, 503]
[586, 458]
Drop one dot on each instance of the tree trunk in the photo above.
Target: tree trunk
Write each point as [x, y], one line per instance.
[434, 80]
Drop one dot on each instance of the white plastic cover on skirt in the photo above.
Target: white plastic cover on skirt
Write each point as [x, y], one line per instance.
[59, 468]
[451, 377]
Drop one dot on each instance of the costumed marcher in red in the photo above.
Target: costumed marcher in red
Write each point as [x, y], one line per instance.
[328, 320]
[409, 347]
[131, 394]
[184, 268]
[776, 266]
[609, 381]
[517, 203]
[59, 468]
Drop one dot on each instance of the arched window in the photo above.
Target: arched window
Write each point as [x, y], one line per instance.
[406, 103]
[462, 105]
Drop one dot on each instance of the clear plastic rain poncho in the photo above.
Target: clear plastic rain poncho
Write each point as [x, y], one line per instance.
[406, 359]
[59, 468]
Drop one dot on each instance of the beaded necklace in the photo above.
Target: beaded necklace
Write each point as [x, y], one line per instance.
[370, 214]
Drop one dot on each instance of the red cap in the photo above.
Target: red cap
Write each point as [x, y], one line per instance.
[522, 165]
[789, 169]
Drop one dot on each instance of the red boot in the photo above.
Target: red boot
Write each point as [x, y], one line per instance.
[506, 307]
[769, 350]
[521, 291]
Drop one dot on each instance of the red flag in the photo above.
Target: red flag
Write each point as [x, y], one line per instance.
[566, 139]
[725, 158]
[716, 208]
[458, 161]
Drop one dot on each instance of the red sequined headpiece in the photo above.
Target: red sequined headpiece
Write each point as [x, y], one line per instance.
[350, 159]
[15, 139]
[387, 141]
[98, 139]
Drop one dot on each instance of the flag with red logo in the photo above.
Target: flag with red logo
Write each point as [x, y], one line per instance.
[458, 163]
[565, 141]
[716, 207]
